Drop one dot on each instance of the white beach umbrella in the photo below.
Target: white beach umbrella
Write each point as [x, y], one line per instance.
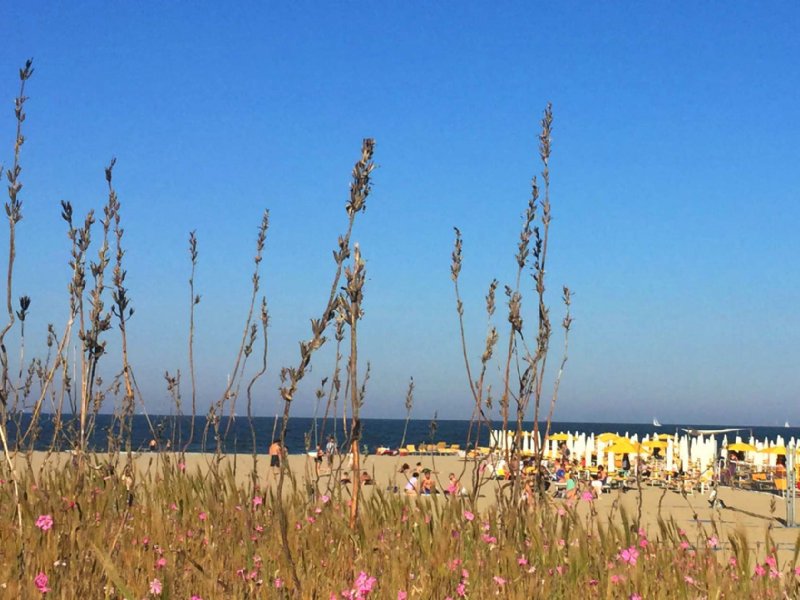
[587, 451]
[670, 455]
[684, 453]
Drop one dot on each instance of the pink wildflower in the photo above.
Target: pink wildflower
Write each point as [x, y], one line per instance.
[688, 579]
[461, 590]
[629, 555]
[499, 580]
[155, 587]
[161, 563]
[325, 498]
[278, 582]
[760, 570]
[257, 501]
[635, 597]
[617, 578]
[469, 516]
[713, 541]
[684, 545]
[44, 522]
[522, 561]
[401, 595]
[40, 581]
[195, 597]
[202, 516]
[797, 571]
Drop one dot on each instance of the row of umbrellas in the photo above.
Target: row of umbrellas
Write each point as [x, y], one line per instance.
[685, 451]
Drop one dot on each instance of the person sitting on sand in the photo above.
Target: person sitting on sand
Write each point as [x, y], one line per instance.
[427, 485]
[411, 487]
[560, 472]
[599, 481]
[454, 485]
[571, 489]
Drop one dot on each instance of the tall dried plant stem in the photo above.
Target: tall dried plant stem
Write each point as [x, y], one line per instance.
[244, 347]
[352, 299]
[291, 377]
[264, 326]
[194, 300]
[14, 213]
[123, 312]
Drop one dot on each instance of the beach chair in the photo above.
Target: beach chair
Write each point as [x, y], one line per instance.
[411, 449]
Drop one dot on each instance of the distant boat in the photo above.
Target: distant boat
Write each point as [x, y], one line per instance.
[786, 424]
[656, 423]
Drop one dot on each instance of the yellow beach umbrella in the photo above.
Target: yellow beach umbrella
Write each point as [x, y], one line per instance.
[560, 437]
[608, 437]
[741, 447]
[665, 436]
[624, 446]
[655, 444]
[777, 450]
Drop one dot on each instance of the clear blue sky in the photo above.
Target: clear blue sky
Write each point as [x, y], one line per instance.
[675, 186]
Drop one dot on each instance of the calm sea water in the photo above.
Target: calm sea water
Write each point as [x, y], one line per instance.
[302, 432]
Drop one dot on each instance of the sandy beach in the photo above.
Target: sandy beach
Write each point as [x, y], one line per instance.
[752, 513]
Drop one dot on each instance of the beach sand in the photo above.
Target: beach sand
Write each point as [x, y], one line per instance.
[750, 512]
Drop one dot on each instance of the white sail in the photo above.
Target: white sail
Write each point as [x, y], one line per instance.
[656, 423]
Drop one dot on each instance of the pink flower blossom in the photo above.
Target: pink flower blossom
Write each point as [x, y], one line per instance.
[469, 516]
[278, 582]
[44, 522]
[257, 501]
[401, 595]
[499, 580]
[635, 597]
[40, 581]
[797, 571]
[713, 541]
[617, 578]
[688, 579]
[195, 597]
[760, 570]
[629, 555]
[684, 545]
[202, 516]
[155, 587]
[161, 563]
[325, 498]
[522, 561]
[461, 590]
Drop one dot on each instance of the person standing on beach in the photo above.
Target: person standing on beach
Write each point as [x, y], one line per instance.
[330, 450]
[275, 451]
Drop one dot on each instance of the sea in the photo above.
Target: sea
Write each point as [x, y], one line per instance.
[304, 434]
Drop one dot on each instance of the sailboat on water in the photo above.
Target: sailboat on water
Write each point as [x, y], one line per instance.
[656, 423]
[786, 424]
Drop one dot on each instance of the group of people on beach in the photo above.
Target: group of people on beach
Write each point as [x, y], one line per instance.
[426, 485]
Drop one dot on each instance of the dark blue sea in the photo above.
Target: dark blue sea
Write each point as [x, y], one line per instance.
[305, 433]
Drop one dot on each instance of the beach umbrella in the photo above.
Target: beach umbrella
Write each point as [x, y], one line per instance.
[625, 447]
[670, 464]
[742, 447]
[666, 436]
[652, 444]
[608, 437]
[683, 453]
[777, 450]
[560, 437]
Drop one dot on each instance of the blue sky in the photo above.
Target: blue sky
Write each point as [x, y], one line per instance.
[675, 186]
